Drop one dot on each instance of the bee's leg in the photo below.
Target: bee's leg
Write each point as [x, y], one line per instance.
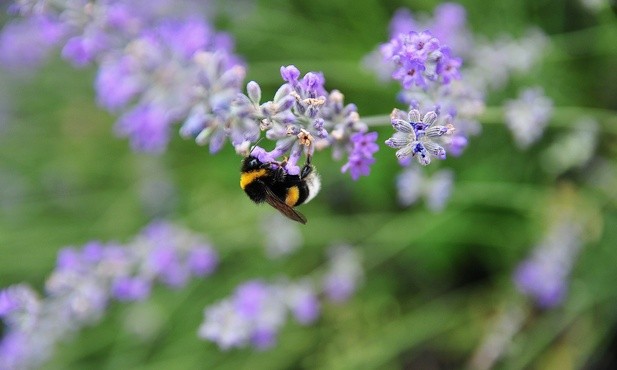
[279, 173]
[307, 168]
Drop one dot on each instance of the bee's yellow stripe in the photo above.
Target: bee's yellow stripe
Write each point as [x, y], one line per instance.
[293, 193]
[248, 177]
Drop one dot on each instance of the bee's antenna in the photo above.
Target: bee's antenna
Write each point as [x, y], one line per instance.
[255, 145]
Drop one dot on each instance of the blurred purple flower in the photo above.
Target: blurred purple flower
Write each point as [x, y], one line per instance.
[527, 116]
[412, 184]
[84, 283]
[256, 311]
[344, 273]
[202, 260]
[130, 289]
[147, 126]
[544, 275]
[26, 43]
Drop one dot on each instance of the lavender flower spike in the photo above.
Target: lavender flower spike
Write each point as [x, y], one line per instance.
[87, 280]
[420, 137]
[344, 274]
[419, 58]
[527, 116]
[544, 276]
[361, 157]
[256, 311]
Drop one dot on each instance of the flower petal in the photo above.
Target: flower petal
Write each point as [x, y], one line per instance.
[414, 115]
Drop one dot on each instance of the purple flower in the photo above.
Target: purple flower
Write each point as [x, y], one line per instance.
[344, 274]
[450, 26]
[527, 116]
[301, 118]
[116, 82]
[256, 311]
[14, 350]
[290, 74]
[213, 118]
[147, 126]
[17, 299]
[264, 338]
[130, 289]
[151, 71]
[541, 281]
[418, 57]
[302, 300]
[448, 67]
[26, 43]
[202, 260]
[402, 22]
[361, 156]
[223, 325]
[81, 50]
[285, 240]
[250, 298]
[85, 282]
[412, 184]
[418, 137]
[358, 165]
[544, 275]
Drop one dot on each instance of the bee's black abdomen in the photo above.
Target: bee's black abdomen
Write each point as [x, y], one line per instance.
[256, 190]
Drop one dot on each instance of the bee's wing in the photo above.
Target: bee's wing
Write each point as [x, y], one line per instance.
[282, 207]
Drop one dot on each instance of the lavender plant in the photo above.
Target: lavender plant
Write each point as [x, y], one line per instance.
[161, 66]
[87, 280]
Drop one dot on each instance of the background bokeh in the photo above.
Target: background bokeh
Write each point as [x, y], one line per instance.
[436, 284]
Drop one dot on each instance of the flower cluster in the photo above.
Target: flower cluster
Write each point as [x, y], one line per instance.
[285, 240]
[527, 116]
[544, 276]
[420, 137]
[419, 57]
[412, 184]
[431, 76]
[302, 117]
[257, 310]
[572, 149]
[157, 60]
[344, 273]
[361, 157]
[159, 65]
[87, 280]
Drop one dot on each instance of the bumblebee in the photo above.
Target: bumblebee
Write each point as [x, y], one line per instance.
[263, 183]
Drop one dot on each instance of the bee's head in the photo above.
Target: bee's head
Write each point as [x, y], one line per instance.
[252, 163]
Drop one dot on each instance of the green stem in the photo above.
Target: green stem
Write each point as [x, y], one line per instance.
[562, 117]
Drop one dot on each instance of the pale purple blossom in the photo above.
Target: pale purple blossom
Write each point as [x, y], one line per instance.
[150, 71]
[302, 117]
[572, 149]
[528, 115]
[303, 302]
[26, 43]
[287, 238]
[344, 273]
[412, 184]
[420, 137]
[257, 311]
[87, 280]
[544, 275]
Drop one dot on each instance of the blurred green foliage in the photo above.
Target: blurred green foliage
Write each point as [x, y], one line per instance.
[435, 282]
